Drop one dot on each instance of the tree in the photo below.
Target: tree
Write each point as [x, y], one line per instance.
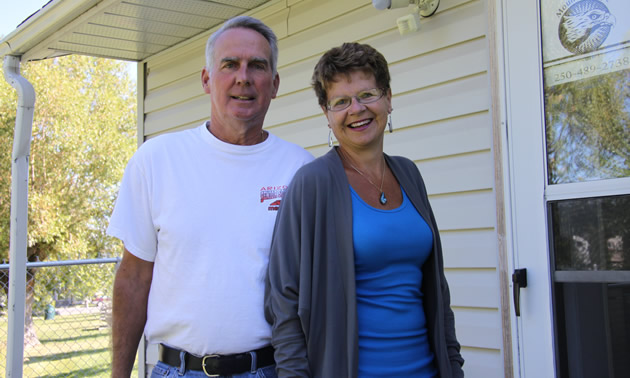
[588, 128]
[83, 135]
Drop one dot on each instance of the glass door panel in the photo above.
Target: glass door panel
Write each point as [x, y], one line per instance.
[586, 76]
[588, 126]
[591, 234]
[586, 70]
[601, 313]
[590, 244]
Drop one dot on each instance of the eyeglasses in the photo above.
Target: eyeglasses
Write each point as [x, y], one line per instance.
[364, 97]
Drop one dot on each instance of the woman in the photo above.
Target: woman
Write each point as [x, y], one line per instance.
[356, 285]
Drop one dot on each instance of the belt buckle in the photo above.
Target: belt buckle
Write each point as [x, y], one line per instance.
[203, 365]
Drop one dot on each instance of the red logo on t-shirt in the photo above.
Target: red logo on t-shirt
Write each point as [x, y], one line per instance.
[275, 205]
[272, 193]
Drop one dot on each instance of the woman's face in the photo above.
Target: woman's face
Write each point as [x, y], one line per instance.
[359, 126]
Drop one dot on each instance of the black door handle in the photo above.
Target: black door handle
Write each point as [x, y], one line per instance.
[519, 280]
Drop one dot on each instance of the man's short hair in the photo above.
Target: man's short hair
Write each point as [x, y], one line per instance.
[247, 23]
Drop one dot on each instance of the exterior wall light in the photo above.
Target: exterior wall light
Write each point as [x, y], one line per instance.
[410, 22]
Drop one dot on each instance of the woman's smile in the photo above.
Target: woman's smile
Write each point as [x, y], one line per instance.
[360, 125]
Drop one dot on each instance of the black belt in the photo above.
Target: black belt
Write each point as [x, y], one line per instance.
[214, 364]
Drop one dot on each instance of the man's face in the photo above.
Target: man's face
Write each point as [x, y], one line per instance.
[241, 84]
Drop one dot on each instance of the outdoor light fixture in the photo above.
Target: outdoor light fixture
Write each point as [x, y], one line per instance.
[410, 22]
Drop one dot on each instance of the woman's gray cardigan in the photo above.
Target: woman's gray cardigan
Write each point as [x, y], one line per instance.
[310, 296]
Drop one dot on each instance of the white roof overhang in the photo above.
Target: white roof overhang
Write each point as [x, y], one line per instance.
[130, 30]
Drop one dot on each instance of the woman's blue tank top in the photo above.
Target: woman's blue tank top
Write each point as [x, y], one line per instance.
[390, 247]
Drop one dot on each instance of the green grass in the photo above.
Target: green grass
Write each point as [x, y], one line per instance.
[72, 345]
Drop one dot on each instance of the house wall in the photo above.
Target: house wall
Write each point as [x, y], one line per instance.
[442, 120]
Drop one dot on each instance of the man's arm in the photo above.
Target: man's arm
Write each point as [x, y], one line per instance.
[131, 292]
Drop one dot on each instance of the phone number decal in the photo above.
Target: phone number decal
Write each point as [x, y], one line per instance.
[586, 68]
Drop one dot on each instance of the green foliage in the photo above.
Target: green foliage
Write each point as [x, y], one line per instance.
[83, 135]
[588, 128]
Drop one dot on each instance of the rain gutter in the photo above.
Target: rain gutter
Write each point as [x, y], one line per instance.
[19, 213]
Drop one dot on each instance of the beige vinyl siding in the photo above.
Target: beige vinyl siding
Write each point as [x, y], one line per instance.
[442, 120]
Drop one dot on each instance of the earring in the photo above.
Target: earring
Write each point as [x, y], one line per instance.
[330, 141]
[389, 122]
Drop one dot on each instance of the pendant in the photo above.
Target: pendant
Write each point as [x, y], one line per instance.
[383, 199]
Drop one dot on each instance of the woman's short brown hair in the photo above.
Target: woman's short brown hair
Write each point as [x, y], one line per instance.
[345, 59]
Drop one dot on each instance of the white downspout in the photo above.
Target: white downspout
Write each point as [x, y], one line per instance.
[19, 213]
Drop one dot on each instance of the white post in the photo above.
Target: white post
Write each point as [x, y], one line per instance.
[19, 214]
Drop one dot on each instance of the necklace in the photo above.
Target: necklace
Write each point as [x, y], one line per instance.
[382, 199]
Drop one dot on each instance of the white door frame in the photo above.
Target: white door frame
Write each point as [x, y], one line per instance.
[532, 338]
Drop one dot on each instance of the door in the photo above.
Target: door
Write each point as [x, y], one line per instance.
[567, 86]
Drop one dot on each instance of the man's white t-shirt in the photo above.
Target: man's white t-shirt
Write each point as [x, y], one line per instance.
[203, 210]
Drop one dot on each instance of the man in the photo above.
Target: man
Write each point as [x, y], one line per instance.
[195, 212]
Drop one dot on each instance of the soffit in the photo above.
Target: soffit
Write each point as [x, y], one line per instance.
[120, 29]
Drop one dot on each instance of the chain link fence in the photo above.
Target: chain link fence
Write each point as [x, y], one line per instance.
[67, 318]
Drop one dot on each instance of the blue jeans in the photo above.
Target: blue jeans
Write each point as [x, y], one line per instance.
[164, 370]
